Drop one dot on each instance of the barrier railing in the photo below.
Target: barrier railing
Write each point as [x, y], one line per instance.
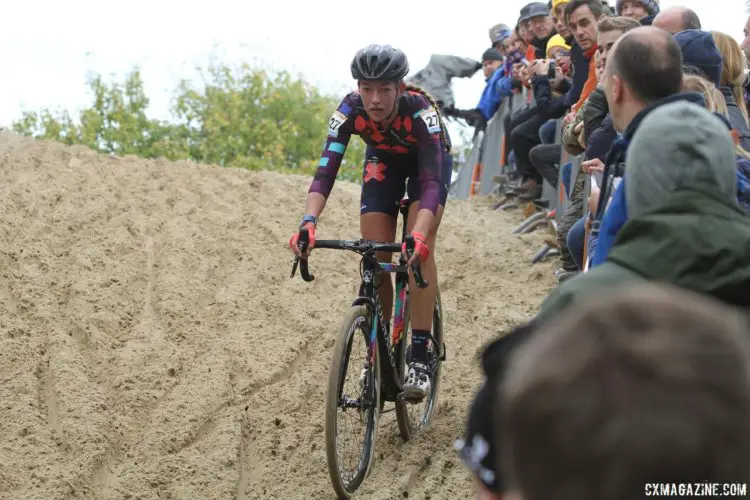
[486, 160]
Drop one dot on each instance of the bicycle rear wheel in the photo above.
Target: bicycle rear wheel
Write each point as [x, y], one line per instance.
[413, 417]
[357, 405]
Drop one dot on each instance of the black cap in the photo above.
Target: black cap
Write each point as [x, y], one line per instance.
[491, 55]
[534, 9]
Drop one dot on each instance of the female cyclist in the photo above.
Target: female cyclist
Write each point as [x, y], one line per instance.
[408, 149]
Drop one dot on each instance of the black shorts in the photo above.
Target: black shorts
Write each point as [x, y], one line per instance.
[383, 189]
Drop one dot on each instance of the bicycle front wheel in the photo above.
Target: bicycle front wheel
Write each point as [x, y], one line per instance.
[352, 406]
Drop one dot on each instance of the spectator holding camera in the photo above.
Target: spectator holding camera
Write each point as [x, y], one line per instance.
[581, 17]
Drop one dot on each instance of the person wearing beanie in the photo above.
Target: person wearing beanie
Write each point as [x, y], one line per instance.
[499, 85]
[496, 29]
[637, 9]
[558, 12]
[699, 51]
[556, 42]
[501, 41]
[491, 60]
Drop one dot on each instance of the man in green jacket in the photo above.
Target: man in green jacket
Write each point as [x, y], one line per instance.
[684, 226]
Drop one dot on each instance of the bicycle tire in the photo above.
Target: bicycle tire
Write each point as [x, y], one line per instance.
[405, 426]
[337, 371]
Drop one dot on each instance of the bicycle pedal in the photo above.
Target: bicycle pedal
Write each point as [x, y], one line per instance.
[403, 397]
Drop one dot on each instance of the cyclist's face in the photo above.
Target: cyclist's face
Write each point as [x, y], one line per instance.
[379, 98]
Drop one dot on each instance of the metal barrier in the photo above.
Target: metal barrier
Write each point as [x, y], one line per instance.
[486, 160]
[462, 185]
[493, 150]
[486, 157]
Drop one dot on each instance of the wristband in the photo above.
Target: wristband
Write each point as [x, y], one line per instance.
[309, 218]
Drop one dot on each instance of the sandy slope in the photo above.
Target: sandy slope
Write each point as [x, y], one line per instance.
[153, 345]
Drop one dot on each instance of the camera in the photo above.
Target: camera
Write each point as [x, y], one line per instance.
[551, 71]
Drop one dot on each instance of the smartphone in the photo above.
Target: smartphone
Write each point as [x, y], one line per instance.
[551, 72]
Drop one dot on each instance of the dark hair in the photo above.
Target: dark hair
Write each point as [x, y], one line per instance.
[646, 384]
[595, 6]
[690, 20]
[651, 65]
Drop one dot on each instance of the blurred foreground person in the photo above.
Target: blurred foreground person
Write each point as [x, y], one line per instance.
[650, 384]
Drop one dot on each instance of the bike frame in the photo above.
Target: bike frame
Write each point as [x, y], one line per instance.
[387, 344]
[370, 271]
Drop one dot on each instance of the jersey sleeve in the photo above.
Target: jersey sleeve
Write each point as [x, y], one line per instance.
[430, 148]
[340, 129]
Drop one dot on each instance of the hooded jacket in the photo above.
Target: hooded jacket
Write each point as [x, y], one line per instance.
[616, 215]
[686, 227]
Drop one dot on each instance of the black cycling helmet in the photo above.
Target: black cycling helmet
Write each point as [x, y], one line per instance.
[380, 62]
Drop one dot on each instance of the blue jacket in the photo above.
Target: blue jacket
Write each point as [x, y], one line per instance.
[616, 213]
[498, 86]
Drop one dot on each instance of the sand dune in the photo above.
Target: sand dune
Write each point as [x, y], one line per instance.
[153, 345]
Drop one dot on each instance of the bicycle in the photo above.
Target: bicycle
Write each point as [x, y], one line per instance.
[378, 382]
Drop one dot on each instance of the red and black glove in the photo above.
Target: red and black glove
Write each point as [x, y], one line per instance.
[295, 238]
[421, 249]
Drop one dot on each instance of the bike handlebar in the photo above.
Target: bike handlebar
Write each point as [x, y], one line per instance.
[360, 246]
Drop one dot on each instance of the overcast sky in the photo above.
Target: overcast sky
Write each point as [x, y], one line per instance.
[49, 47]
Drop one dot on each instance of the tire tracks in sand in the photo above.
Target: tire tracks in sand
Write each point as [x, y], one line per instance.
[180, 361]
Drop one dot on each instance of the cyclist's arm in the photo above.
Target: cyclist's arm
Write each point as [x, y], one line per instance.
[430, 146]
[340, 128]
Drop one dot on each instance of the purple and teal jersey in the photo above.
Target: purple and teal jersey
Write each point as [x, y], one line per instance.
[415, 133]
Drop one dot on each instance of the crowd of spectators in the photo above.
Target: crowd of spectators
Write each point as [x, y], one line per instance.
[636, 370]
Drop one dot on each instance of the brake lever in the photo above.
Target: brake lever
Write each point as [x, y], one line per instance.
[416, 269]
[302, 243]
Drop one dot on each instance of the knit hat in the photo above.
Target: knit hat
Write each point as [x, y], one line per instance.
[651, 6]
[555, 3]
[680, 145]
[497, 29]
[501, 35]
[699, 50]
[491, 55]
[557, 41]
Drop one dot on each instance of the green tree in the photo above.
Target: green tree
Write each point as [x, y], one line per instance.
[235, 117]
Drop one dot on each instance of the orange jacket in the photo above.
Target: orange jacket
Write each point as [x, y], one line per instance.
[530, 56]
[590, 84]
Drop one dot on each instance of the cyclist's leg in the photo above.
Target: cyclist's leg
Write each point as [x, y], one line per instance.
[382, 190]
[422, 300]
